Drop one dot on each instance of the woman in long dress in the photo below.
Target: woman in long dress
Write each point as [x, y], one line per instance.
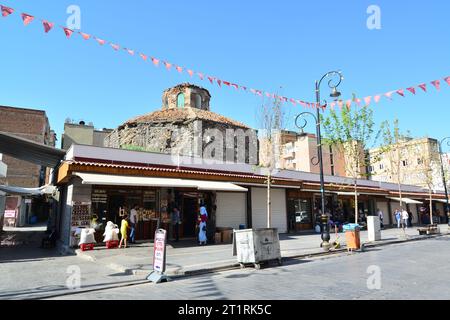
[203, 219]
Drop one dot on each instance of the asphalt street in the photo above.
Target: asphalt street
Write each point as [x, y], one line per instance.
[416, 270]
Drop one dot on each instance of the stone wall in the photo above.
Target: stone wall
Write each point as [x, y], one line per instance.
[206, 139]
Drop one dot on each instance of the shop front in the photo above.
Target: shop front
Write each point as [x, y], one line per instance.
[300, 213]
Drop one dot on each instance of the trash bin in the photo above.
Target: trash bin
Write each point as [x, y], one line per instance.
[242, 227]
[352, 236]
[254, 246]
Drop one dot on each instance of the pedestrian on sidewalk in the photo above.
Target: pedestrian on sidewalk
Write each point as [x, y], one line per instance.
[398, 217]
[410, 218]
[381, 216]
[133, 222]
[203, 219]
[124, 227]
[405, 218]
[176, 221]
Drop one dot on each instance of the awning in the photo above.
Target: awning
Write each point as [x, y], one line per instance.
[28, 191]
[30, 151]
[440, 200]
[406, 200]
[347, 194]
[132, 181]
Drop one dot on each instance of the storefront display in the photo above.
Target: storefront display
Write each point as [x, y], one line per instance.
[81, 216]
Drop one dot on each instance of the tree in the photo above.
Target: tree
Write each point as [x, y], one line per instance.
[350, 132]
[271, 117]
[394, 150]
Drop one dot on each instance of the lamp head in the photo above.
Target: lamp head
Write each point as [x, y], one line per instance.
[335, 94]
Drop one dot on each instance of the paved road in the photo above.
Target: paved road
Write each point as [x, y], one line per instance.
[416, 270]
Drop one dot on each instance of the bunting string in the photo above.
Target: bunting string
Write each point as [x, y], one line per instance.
[49, 26]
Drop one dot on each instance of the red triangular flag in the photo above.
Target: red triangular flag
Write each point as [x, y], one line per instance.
[348, 104]
[85, 35]
[332, 105]
[168, 65]
[401, 92]
[155, 61]
[68, 32]
[447, 80]
[201, 75]
[259, 93]
[389, 95]
[6, 11]
[47, 25]
[115, 46]
[367, 100]
[179, 69]
[235, 86]
[219, 82]
[100, 41]
[143, 56]
[27, 19]
[131, 52]
[190, 72]
[268, 95]
[340, 104]
[423, 86]
[253, 91]
[245, 88]
[412, 90]
[226, 83]
[211, 79]
[358, 101]
[437, 84]
[377, 98]
[293, 101]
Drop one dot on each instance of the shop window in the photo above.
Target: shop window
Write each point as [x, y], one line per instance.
[180, 101]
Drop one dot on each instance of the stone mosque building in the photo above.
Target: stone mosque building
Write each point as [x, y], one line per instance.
[186, 126]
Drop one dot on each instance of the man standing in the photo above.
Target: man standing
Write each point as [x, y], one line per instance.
[133, 221]
[381, 216]
[176, 221]
[398, 217]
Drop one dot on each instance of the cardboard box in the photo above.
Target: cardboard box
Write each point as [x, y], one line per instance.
[227, 236]
[218, 238]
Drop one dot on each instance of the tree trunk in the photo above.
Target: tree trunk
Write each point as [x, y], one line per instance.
[431, 208]
[356, 201]
[269, 215]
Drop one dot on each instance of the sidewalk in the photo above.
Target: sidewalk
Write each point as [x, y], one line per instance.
[186, 258]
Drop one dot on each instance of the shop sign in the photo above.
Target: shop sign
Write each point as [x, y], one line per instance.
[27, 201]
[10, 213]
[159, 255]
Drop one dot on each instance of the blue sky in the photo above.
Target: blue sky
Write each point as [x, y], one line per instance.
[261, 44]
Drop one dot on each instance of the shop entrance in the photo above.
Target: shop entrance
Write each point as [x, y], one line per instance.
[115, 203]
[190, 209]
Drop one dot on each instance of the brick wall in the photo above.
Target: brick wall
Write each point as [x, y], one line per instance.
[29, 124]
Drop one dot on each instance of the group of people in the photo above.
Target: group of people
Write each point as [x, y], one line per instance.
[129, 223]
[403, 218]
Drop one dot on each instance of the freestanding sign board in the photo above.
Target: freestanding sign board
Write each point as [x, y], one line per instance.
[159, 257]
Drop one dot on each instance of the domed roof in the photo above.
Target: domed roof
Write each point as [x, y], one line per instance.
[173, 115]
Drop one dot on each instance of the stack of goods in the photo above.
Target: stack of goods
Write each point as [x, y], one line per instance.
[87, 239]
[147, 215]
[111, 235]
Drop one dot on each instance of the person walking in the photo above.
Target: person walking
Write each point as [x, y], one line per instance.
[203, 219]
[176, 221]
[405, 218]
[410, 218]
[133, 222]
[124, 231]
[398, 217]
[381, 216]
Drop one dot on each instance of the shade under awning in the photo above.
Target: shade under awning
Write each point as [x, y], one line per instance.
[132, 181]
[406, 200]
[28, 191]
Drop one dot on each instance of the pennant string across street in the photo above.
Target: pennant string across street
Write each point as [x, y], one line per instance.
[48, 26]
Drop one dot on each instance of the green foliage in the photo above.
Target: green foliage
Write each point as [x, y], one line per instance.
[131, 147]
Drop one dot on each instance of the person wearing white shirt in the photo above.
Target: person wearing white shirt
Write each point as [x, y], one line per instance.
[381, 216]
[405, 218]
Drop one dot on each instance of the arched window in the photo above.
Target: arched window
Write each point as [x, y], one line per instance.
[198, 101]
[180, 101]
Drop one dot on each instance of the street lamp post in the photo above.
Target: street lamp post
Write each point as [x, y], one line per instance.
[443, 175]
[335, 94]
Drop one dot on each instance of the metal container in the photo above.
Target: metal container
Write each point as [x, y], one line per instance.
[253, 246]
